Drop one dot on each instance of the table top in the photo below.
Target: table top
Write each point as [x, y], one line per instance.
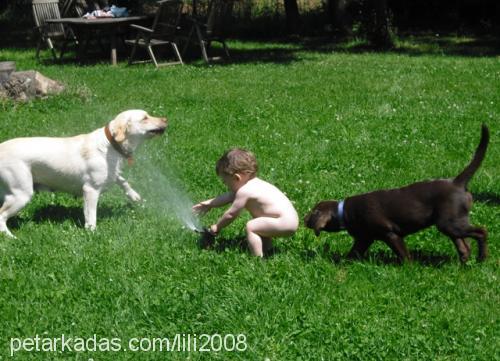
[97, 21]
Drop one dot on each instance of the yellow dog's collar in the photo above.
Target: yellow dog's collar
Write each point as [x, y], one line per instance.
[117, 146]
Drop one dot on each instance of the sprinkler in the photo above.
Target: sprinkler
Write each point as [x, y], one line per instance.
[207, 238]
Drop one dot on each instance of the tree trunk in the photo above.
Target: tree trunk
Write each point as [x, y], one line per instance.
[292, 16]
[381, 34]
[338, 17]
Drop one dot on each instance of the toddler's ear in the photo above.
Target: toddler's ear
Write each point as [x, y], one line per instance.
[237, 176]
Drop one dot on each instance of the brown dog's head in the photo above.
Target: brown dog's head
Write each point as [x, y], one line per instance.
[323, 217]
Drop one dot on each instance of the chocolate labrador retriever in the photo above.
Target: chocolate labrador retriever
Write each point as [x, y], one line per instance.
[390, 215]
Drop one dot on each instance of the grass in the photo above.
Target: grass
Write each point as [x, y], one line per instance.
[323, 125]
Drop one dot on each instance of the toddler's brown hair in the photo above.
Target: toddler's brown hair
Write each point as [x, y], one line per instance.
[237, 160]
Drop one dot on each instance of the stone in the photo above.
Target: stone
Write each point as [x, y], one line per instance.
[26, 85]
[6, 69]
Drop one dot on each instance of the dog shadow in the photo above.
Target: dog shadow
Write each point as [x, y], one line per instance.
[381, 257]
[423, 258]
[488, 198]
[378, 257]
[60, 214]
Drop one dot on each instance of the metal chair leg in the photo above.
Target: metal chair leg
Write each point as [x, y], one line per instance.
[52, 49]
[176, 50]
[226, 50]
[152, 55]
[202, 44]
[132, 54]
[63, 49]
[38, 47]
[204, 52]
[188, 41]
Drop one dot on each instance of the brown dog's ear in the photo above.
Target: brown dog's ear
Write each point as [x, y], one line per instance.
[320, 224]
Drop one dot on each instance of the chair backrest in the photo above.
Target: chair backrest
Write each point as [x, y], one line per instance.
[167, 18]
[66, 7]
[219, 16]
[82, 7]
[200, 9]
[47, 9]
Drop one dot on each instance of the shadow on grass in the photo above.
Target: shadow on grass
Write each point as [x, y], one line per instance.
[423, 258]
[61, 214]
[488, 198]
[415, 45]
[381, 257]
[95, 57]
[378, 257]
[239, 243]
[286, 50]
[276, 55]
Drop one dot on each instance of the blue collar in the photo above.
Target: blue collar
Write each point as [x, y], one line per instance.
[340, 211]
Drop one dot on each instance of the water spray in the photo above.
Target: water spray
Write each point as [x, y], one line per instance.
[167, 194]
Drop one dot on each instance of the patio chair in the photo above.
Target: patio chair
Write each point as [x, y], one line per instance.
[50, 33]
[66, 7]
[212, 28]
[163, 31]
[81, 7]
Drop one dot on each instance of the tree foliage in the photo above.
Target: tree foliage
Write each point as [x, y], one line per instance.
[375, 20]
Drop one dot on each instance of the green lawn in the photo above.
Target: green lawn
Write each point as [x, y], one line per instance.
[323, 125]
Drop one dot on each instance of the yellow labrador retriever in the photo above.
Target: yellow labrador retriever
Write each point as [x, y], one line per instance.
[82, 165]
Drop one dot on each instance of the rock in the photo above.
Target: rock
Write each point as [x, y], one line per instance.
[26, 85]
[6, 68]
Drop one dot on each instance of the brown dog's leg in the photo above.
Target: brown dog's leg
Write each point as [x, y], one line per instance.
[397, 244]
[463, 249]
[462, 230]
[480, 235]
[467, 244]
[359, 248]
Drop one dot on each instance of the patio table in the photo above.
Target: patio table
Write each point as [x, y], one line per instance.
[109, 27]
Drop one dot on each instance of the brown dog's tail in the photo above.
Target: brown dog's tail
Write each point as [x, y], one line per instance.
[463, 178]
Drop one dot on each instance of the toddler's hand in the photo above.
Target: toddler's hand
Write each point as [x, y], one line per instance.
[213, 229]
[201, 208]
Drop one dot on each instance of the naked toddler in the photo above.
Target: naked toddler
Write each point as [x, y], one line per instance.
[273, 213]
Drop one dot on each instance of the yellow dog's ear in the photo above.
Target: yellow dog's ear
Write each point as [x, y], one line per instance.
[121, 130]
